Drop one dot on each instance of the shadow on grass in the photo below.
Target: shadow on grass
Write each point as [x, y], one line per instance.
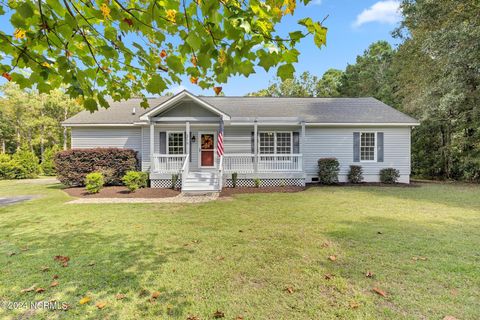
[100, 266]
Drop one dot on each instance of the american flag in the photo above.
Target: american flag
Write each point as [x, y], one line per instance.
[220, 140]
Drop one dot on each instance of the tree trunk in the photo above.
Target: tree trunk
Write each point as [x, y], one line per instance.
[3, 145]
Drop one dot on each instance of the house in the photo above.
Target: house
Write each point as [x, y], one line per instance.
[276, 140]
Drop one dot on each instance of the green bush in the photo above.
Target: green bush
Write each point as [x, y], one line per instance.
[29, 161]
[234, 179]
[389, 175]
[257, 182]
[94, 182]
[355, 174]
[134, 180]
[48, 164]
[328, 169]
[174, 181]
[11, 169]
[471, 170]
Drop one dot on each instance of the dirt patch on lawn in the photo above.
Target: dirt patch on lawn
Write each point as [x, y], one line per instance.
[227, 192]
[122, 192]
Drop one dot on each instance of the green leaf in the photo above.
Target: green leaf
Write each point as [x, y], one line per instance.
[246, 68]
[194, 41]
[285, 71]
[156, 84]
[90, 104]
[291, 56]
[296, 35]
[25, 10]
[266, 60]
[320, 38]
[174, 63]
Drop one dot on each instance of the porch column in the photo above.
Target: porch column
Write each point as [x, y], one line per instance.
[152, 144]
[255, 146]
[187, 138]
[302, 143]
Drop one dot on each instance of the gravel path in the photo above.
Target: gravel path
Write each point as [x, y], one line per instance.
[181, 198]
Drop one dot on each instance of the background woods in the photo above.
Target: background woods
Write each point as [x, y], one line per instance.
[32, 120]
[433, 75]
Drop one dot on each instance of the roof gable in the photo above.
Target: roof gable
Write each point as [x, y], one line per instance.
[176, 101]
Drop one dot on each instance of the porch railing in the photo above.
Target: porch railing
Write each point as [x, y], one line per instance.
[185, 168]
[249, 163]
[168, 163]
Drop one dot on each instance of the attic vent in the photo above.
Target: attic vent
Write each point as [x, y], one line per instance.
[133, 110]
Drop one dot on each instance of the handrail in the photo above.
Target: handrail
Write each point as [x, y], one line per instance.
[220, 173]
[184, 170]
[274, 162]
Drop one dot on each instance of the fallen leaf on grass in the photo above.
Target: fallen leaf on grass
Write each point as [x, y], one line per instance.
[120, 296]
[91, 264]
[369, 274]
[219, 258]
[39, 290]
[54, 284]
[100, 305]
[288, 289]
[379, 232]
[420, 258]
[84, 300]
[193, 318]
[329, 276]
[449, 318]
[45, 268]
[218, 314]
[354, 305]
[12, 254]
[28, 289]
[240, 230]
[156, 294]
[63, 260]
[379, 292]
[55, 276]
[325, 245]
[24, 249]
[239, 318]
[332, 258]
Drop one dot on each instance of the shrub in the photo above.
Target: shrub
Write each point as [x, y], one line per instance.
[471, 170]
[328, 169]
[257, 182]
[48, 165]
[389, 175]
[355, 174]
[73, 165]
[94, 182]
[234, 179]
[174, 181]
[134, 180]
[11, 169]
[29, 161]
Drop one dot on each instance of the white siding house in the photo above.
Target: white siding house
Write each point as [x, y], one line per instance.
[277, 140]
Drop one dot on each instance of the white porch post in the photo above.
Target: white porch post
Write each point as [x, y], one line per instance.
[302, 143]
[187, 138]
[255, 146]
[152, 145]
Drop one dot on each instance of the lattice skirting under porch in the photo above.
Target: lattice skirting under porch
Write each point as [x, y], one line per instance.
[298, 182]
[165, 183]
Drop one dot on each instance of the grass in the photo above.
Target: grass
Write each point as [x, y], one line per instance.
[238, 256]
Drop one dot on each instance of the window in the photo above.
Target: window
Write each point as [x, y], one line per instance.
[367, 146]
[275, 142]
[175, 143]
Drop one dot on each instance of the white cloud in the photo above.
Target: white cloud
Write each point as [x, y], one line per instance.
[316, 2]
[386, 11]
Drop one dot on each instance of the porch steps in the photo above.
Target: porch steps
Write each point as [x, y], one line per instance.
[198, 182]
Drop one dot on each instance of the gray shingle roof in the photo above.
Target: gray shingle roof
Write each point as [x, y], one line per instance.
[312, 110]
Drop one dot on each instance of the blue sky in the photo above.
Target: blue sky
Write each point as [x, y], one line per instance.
[353, 25]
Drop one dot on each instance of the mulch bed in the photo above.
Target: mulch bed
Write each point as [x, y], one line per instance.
[122, 192]
[227, 192]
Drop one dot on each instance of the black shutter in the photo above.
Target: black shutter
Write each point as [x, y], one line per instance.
[252, 142]
[356, 147]
[379, 146]
[163, 142]
[296, 142]
[190, 142]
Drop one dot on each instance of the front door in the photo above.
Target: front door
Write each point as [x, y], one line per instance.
[207, 149]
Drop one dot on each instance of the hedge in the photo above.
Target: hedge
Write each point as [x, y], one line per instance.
[328, 169]
[73, 165]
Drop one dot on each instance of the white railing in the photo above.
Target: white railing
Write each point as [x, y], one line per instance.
[246, 163]
[184, 170]
[167, 163]
[239, 162]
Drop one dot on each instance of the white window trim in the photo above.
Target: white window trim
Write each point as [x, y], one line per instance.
[275, 143]
[374, 147]
[168, 141]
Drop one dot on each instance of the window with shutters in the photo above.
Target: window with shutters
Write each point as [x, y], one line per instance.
[367, 146]
[176, 143]
[275, 142]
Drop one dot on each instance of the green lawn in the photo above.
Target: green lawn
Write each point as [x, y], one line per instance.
[239, 255]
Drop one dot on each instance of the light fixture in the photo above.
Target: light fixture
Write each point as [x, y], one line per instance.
[193, 139]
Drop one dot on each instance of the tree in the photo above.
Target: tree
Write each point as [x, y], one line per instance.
[304, 85]
[329, 84]
[371, 75]
[124, 48]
